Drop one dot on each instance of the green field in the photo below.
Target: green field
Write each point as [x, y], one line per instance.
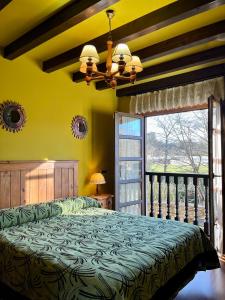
[174, 169]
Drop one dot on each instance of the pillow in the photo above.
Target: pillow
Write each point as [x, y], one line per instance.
[67, 205]
[29, 213]
[41, 211]
[24, 214]
[16, 216]
[8, 218]
[54, 209]
[89, 202]
[72, 204]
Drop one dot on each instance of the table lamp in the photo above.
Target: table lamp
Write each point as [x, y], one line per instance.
[97, 178]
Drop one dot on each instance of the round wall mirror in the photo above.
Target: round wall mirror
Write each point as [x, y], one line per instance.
[12, 116]
[79, 127]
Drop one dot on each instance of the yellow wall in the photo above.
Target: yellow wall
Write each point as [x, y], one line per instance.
[123, 104]
[50, 102]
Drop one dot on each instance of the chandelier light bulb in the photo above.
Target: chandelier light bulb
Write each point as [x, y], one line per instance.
[114, 68]
[83, 68]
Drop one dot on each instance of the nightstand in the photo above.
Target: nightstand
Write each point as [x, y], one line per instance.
[104, 199]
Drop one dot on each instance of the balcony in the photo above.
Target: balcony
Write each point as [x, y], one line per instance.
[178, 196]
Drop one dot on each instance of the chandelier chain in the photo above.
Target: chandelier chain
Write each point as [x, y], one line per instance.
[110, 29]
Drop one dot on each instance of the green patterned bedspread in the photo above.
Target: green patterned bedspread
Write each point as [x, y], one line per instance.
[93, 253]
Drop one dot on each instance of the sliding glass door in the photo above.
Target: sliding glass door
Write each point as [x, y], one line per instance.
[129, 163]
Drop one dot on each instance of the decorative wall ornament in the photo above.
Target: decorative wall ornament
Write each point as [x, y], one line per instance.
[12, 116]
[79, 127]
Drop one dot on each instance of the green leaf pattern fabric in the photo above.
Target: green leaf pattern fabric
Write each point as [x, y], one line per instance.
[29, 213]
[85, 252]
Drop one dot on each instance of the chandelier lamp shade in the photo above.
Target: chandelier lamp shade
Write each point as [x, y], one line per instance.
[120, 64]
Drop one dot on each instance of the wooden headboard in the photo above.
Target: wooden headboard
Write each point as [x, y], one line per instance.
[24, 182]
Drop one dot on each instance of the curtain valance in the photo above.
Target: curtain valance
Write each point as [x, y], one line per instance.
[181, 96]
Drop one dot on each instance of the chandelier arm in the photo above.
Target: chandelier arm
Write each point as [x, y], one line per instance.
[125, 78]
[88, 79]
[97, 77]
[98, 73]
[114, 73]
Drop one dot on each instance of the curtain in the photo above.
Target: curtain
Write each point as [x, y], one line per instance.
[217, 182]
[181, 96]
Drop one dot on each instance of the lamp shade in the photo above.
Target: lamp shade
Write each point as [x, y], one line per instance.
[83, 68]
[97, 178]
[89, 52]
[121, 50]
[134, 63]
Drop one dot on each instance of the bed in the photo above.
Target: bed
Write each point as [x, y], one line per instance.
[73, 249]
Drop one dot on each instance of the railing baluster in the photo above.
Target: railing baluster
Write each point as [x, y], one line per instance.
[206, 223]
[189, 214]
[151, 180]
[186, 199]
[177, 199]
[160, 199]
[195, 182]
[168, 197]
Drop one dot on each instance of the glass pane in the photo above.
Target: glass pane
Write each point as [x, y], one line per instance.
[130, 170]
[177, 142]
[130, 192]
[132, 209]
[129, 126]
[129, 148]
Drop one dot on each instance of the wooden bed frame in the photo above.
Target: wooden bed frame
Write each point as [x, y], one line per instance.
[24, 182]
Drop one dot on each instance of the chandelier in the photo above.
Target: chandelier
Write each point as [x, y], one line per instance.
[119, 64]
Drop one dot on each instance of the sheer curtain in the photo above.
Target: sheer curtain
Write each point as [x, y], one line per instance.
[181, 96]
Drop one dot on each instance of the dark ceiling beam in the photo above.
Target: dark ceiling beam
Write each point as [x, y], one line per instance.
[67, 17]
[188, 61]
[148, 23]
[178, 43]
[173, 81]
[181, 42]
[3, 3]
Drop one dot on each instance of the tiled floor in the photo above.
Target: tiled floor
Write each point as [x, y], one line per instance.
[209, 285]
